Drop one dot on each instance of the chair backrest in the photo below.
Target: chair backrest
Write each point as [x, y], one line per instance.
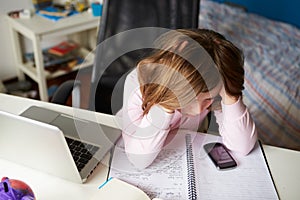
[127, 27]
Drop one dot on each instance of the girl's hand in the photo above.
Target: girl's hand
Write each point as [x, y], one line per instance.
[226, 98]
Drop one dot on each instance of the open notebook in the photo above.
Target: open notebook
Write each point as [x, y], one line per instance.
[169, 178]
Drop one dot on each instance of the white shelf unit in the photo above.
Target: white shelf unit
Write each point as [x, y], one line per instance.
[39, 28]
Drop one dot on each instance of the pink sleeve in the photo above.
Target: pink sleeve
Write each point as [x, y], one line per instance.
[143, 136]
[236, 127]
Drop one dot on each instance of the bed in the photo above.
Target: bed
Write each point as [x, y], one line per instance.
[272, 69]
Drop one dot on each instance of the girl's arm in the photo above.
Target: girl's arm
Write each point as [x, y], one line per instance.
[143, 136]
[236, 126]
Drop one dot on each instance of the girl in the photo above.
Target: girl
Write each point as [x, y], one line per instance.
[190, 73]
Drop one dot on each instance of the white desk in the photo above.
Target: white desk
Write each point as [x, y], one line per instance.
[38, 28]
[284, 163]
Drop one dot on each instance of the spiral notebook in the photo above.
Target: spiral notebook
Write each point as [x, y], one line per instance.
[183, 170]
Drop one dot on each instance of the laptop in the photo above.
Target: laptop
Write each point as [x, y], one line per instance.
[55, 143]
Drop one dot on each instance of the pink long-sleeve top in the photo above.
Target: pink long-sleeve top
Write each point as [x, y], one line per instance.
[145, 135]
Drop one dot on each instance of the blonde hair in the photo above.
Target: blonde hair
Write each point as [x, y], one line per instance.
[179, 69]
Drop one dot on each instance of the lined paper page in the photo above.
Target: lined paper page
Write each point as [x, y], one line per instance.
[165, 178]
[249, 180]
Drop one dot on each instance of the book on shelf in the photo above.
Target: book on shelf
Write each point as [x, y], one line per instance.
[39, 4]
[54, 13]
[53, 62]
[67, 66]
[182, 170]
[63, 48]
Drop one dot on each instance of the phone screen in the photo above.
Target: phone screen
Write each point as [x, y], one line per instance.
[220, 155]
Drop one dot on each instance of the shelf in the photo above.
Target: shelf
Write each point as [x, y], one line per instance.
[88, 57]
[37, 29]
[38, 25]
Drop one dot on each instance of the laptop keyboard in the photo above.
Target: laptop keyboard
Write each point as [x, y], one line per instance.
[81, 152]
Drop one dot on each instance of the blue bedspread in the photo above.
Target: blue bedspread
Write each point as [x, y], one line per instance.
[272, 69]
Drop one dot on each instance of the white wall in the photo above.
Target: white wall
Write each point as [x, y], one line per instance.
[7, 64]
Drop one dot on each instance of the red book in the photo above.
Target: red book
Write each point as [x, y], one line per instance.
[63, 48]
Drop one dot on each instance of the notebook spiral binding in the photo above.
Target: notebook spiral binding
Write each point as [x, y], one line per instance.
[192, 192]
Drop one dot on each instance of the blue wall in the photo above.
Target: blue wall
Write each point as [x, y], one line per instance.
[282, 10]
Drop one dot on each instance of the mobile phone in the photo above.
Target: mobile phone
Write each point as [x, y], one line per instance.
[220, 156]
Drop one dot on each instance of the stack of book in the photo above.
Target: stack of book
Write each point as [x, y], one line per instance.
[39, 4]
[63, 56]
[55, 12]
[51, 10]
[64, 48]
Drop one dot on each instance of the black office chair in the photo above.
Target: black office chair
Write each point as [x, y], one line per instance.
[124, 36]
